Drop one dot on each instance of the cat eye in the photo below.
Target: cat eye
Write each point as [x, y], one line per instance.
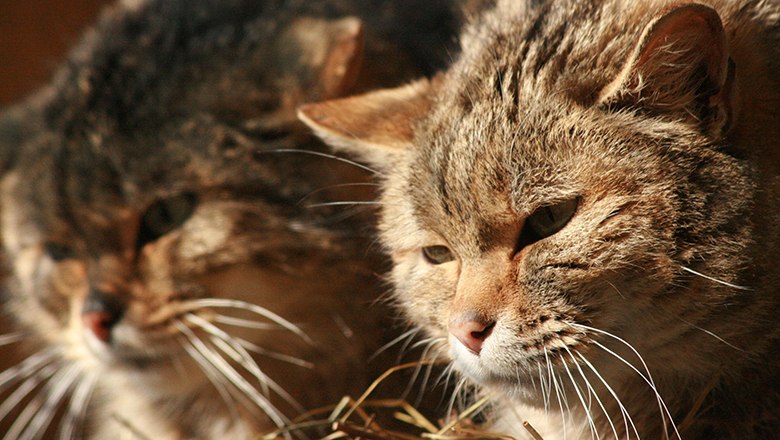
[165, 215]
[58, 251]
[546, 221]
[438, 254]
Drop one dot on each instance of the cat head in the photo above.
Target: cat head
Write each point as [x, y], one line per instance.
[563, 180]
[162, 205]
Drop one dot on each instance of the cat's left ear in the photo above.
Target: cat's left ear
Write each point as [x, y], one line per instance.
[377, 127]
[680, 67]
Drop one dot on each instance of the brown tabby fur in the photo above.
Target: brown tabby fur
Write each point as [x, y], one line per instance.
[661, 119]
[167, 97]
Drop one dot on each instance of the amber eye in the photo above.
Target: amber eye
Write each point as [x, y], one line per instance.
[58, 251]
[546, 221]
[165, 215]
[438, 254]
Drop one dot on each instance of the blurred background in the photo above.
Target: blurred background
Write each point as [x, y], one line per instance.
[34, 38]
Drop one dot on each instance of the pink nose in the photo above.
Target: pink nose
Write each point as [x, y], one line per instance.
[100, 313]
[472, 332]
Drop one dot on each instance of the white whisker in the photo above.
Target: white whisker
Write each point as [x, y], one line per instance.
[339, 185]
[344, 203]
[554, 382]
[10, 338]
[327, 156]
[626, 416]
[240, 355]
[77, 408]
[254, 308]
[25, 389]
[593, 430]
[649, 379]
[54, 390]
[274, 355]
[47, 374]
[712, 334]
[455, 395]
[214, 377]
[26, 367]
[592, 391]
[408, 334]
[246, 323]
[231, 375]
[714, 280]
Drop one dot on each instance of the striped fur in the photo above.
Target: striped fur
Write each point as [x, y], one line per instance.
[661, 120]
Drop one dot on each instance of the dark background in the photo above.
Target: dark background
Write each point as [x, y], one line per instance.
[35, 35]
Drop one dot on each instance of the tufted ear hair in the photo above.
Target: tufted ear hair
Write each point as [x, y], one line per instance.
[680, 67]
[376, 127]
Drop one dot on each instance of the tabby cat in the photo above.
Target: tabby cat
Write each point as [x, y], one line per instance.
[583, 209]
[177, 266]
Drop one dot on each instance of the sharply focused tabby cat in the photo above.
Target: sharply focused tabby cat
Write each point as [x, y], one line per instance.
[176, 270]
[584, 209]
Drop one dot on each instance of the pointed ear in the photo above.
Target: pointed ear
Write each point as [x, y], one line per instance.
[376, 127]
[681, 67]
[332, 50]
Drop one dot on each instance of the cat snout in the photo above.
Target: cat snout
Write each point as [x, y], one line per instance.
[471, 332]
[101, 312]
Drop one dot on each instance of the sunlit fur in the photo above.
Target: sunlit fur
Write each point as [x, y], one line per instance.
[653, 312]
[260, 303]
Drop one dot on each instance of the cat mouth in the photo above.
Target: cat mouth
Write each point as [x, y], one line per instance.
[516, 364]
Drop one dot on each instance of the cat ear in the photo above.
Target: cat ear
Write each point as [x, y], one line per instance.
[333, 50]
[681, 66]
[376, 127]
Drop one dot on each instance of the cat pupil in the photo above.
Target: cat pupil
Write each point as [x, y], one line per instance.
[166, 215]
[546, 221]
[438, 254]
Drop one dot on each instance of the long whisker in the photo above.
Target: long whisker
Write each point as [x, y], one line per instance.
[26, 367]
[10, 338]
[77, 408]
[649, 379]
[339, 185]
[214, 377]
[626, 416]
[25, 389]
[254, 308]
[344, 203]
[455, 394]
[246, 323]
[325, 155]
[712, 334]
[408, 334]
[593, 430]
[557, 388]
[239, 382]
[243, 358]
[714, 280]
[273, 354]
[593, 392]
[543, 386]
[32, 407]
[54, 390]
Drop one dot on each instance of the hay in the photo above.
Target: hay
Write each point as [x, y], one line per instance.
[358, 419]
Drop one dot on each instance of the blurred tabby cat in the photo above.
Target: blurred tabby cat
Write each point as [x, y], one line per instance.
[175, 270]
[584, 210]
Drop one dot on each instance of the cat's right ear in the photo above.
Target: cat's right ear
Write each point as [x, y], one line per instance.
[680, 66]
[376, 127]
